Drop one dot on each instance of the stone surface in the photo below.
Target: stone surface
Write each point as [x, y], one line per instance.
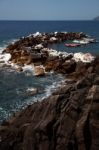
[39, 71]
[66, 120]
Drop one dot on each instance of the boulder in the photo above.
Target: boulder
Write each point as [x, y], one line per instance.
[69, 66]
[52, 65]
[39, 71]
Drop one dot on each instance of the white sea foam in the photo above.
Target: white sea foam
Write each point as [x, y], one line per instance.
[32, 98]
[39, 46]
[2, 48]
[37, 34]
[49, 89]
[28, 68]
[87, 57]
[32, 91]
[53, 52]
[3, 113]
[5, 43]
[53, 39]
[55, 84]
[14, 65]
[5, 57]
[13, 41]
[55, 32]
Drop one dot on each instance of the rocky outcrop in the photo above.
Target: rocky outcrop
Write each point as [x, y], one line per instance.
[96, 18]
[67, 120]
[33, 50]
[30, 49]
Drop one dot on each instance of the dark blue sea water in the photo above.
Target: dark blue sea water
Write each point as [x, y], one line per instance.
[13, 85]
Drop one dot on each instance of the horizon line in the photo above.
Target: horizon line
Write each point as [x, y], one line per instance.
[47, 20]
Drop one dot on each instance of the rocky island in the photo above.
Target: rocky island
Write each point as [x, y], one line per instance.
[97, 18]
[69, 118]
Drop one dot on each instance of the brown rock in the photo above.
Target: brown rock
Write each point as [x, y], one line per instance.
[19, 69]
[66, 120]
[69, 66]
[52, 65]
[14, 61]
[39, 71]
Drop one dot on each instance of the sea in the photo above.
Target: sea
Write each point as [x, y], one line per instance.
[14, 85]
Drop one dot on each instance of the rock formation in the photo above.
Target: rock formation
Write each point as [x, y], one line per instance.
[31, 49]
[96, 18]
[69, 118]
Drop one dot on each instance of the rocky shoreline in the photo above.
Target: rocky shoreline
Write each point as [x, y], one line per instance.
[33, 50]
[69, 118]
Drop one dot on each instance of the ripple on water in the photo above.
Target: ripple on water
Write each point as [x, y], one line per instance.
[13, 87]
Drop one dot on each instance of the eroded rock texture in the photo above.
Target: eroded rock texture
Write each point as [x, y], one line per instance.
[67, 120]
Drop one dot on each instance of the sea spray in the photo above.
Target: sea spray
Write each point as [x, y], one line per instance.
[15, 88]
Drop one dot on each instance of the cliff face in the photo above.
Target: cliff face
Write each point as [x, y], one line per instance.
[67, 120]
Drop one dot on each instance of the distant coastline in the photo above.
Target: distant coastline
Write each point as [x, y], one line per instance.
[96, 18]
